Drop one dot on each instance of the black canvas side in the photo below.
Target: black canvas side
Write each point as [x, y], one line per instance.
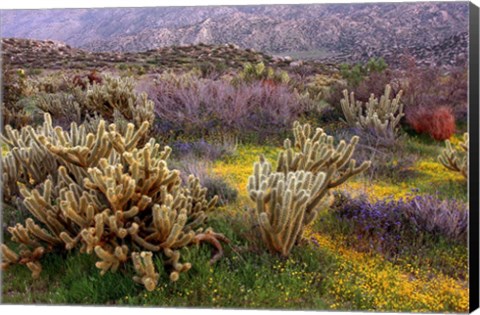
[474, 157]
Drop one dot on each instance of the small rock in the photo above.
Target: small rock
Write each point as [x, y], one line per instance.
[297, 63]
[277, 59]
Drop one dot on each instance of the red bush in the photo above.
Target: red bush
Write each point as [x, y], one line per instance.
[442, 126]
[416, 119]
[438, 122]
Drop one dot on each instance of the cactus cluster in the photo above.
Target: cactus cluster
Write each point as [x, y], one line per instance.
[289, 198]
[379, 116]
[455, 160]
[113, 99]
[103, 193]
[60, 105]
[258, 72]
[28, 163]
[117, 95]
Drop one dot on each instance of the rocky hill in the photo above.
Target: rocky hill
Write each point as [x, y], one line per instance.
[434, 32]
[38, 54]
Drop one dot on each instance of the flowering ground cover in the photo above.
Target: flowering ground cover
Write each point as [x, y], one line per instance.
[368, 281]
[390, 236]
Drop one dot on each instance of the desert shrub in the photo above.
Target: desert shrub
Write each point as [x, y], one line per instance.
[14, 88]
[329, 114]
[335, 94]
[34, 71]
[355, 74]
[448, 218]
[122, 67]
[216, 185]
[375, 65]
[437, 122]
[377, 226]
[50, 93]
[304, 70]
[433, 87]
[202, 149]
[212, 70]
[456, 83]
[110, 195]
[314, 105]
[259, 72]
[392, 226]
[390, 160]
[14, 85]
[12, 214]
[190, 106]
[318, 83]
[442, 124]
[315, 92]
[375, 84]
[62, 107]
[332, 96]
[140, 70]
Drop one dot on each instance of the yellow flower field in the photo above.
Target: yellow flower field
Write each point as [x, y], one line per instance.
[366, 281]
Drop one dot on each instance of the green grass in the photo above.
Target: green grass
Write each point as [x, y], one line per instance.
[243, 278]
[430, 177]
[18, 287]
[426, 175]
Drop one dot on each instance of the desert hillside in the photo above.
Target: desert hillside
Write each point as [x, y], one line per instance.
[433, 32]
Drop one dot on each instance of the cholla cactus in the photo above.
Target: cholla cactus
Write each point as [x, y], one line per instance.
[314, 151]
[454, 160]
[109, 195]
[289, 199]
[259, 71]
[143, 264]
[282, 201]
[380, 116]
[59, 105]
[27, 162]
[117, 94]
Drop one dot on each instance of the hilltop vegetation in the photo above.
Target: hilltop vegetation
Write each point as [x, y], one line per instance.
[36, 54]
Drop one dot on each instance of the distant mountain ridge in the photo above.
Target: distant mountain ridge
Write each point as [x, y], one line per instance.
[436, 32]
